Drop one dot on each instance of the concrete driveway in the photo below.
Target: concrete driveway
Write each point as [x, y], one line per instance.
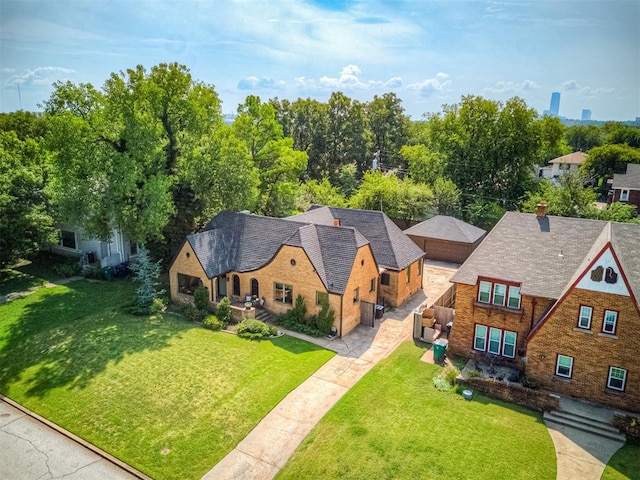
[30, 450]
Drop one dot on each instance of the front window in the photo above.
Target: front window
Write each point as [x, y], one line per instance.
[617, 378]
[356, 295]
[624, 195]
[283, 293]
[499, 292]
[480, 339]
[372, 285]
[514, 297]
[67, 239]
[509, 344]
[609, 323]
[585, 317]
[564, 366]
[235, 280]
[188, 284]
[484, 292]
[408, 273]
[495, 335]
[321, 296]
[385, 279]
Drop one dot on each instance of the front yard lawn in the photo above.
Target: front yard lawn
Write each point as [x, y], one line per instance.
[162, 394]
[394, 424]
[624, 465]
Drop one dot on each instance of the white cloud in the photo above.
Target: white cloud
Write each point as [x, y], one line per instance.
[260, 83]
[41, 76]
[584, 91]
[431, 85]
[348, 80]
[511, 87]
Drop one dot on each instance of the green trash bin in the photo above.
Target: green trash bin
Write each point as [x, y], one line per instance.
[439, 346]
[108, 273]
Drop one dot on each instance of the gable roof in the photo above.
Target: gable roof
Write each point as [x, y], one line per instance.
[575, 157]
[391, 247]
[631, 179]
[443, 227]
[548, 254]
[243, 242]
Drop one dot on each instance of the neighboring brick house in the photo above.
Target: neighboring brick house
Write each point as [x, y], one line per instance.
[557, 297]
[626, 186]
[239, 254]
[399, 258]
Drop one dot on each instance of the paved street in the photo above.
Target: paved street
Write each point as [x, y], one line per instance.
[30, 450]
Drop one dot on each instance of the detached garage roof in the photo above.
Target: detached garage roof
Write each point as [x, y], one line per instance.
[443, 227]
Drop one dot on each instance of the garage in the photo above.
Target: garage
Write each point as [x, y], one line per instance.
[446, 238]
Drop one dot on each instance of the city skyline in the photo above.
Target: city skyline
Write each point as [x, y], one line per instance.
[427, 53]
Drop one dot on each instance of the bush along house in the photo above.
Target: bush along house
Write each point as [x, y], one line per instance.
[558, 298]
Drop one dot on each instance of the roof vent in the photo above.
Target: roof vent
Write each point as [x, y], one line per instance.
[541, 210]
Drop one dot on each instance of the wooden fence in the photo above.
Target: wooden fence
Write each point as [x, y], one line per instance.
[447, 299]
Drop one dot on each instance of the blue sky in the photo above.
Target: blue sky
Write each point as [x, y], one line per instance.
[429, 53]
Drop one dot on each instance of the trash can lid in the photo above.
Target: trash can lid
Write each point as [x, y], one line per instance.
[440, 343]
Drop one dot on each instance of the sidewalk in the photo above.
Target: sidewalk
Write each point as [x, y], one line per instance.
[31, 450]
[271, 443]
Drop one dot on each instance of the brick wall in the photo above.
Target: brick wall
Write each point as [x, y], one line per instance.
[186, 263]
[469, 313]
[593, 352]
[399, 289]
[538, 400]
[634, 197]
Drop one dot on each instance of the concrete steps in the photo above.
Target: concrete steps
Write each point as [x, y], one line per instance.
[585, 424]
[263, 315]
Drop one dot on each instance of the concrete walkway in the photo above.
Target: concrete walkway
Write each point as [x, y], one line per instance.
[581, 455]
[271, 443]
[31, 450]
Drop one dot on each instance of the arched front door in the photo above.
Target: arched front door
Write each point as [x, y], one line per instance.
[255, 290]
[236, 285]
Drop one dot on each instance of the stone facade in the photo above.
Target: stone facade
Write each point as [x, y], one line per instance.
[593, 351]
[290, 266]
[402, 284]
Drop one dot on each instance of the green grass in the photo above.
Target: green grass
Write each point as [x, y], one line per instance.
[139, 386]
[624, 465]
[394, 424]
[29, 274]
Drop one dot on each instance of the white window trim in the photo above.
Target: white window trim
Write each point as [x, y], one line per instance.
[615, 322]
[624, 379]
[489, 340]
[504, 297]
[504, 343]
[484, 337]
[589, 318]
[518, 296]
[75, 240]
[484, 282]
[570, 366]
[624, 195]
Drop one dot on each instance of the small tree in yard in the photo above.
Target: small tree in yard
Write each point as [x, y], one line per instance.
[223, 310]
[146, 272]
[325, 317]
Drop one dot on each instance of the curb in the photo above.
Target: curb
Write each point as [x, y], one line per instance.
[89, 446]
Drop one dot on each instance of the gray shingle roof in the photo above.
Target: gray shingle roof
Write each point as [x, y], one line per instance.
[243, 242]
[631, 179]
[443, 227]
[547, 254]
[391, 247]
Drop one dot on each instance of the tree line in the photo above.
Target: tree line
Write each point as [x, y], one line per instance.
[149, 153]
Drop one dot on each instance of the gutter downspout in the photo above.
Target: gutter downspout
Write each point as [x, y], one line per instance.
[341, 313]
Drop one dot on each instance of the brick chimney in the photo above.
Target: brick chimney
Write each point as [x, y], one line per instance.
[541, 210]
[336, 222]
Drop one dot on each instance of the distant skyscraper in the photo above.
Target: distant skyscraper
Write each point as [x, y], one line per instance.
[554, 108]
[586, 114]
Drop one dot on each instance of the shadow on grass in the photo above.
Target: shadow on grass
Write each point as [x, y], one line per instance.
[64, 337]
[30, 274]
[294, 345]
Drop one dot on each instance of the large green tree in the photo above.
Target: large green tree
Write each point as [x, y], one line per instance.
[389, 127]
[489, 148]
[606, 160]
[120, 153]
[280, 166]
[25, 222]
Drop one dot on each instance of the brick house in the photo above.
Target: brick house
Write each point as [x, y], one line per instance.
[240, 254]
[399, 258]
[557, 297]
[626, 186]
